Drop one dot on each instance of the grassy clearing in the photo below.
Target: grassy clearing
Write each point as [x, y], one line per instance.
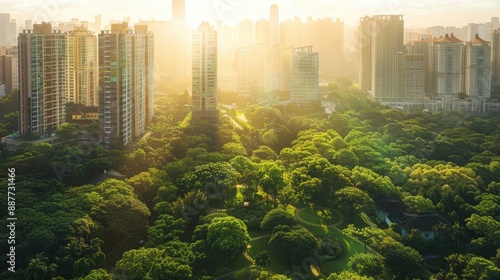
[320, 216]
[350, 246]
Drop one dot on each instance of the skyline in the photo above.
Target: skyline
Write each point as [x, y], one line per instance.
[416, 14]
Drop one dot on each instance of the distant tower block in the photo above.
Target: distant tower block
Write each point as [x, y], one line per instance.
[178, 10]
[274, 25]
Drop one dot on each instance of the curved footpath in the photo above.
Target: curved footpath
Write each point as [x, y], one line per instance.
[332, 226]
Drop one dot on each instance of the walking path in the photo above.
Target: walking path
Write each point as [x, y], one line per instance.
[332, 226]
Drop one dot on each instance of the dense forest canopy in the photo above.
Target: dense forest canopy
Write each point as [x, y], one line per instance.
[282, 192]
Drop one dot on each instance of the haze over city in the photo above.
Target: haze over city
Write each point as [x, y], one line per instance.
[417, 13]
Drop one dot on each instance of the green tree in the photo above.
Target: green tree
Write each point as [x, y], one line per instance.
[228, 235]
[136, 264]
[287, 196]
[418, 204]
[277, 217]
[39, 269]
[297, 244]
[405, 263]
[98, 274]
[485, 225]
[355, 198]
[263, 259]
[165, 229]
[66, 131]
[215, 179]
[369, 265]
[271, 178]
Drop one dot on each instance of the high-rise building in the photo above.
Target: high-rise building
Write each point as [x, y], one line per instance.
[262, 69]
[382, 56]
[262, 31]
[97, 24]
[495, 55]
[82, 67]
[9, 70]
[178, 10]
[250, 65]
[178, 51]
[160, 31]
[43, 79]
[28, 24]
[8, 30]
[415, 66]
[445, 67]
[365, 31]
[204, 83]
[420, 48]
[327, 37]
[247, 36]
[478, 68]
[304, 75]
[274, 25]
[125, 82]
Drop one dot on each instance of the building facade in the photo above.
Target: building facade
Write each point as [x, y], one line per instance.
[9, 69]
[446, 67]
[125, 82]
[387, 58]
[477, 68]
[82, 67]
[304, 81]
[495, 55]
[414, 77]
[204, 81]
[43, 79]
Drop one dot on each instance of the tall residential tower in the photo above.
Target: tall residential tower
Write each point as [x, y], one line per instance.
[82, 67]
[382, 56]
[304, 76]
[125, 82]
[43, 79]
[205, 72]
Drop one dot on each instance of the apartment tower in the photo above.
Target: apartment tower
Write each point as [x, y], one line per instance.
[83, 73]
[43, 79]
[382, 56]
[304, 75]
[125, 82]
[478, 68]
[204, 81]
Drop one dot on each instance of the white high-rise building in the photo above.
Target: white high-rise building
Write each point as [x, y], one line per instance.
[304, 81]
[446, 67]
[274, 25]
[8, 30]
[162, 42]
[43, 79]
[204, 83]
[382, 56]
[478, 68]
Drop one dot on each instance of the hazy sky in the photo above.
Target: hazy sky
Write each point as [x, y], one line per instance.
[417, 13]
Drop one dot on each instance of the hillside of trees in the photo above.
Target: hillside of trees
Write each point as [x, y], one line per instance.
[281, 192]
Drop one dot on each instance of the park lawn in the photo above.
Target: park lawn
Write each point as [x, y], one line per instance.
[358, 221]
[350, 246]
[279, 262]
[320, 216]
[237, 263]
